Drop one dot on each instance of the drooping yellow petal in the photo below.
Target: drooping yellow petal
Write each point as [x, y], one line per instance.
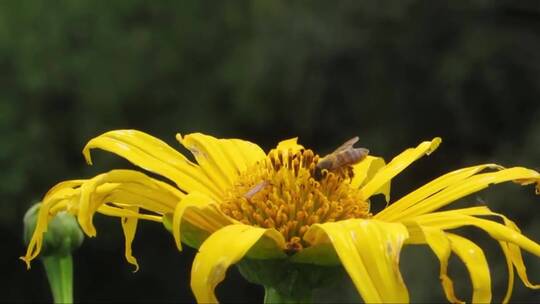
[475, 261]
[369, 250]
[451, 219]
[43, 218]
[512, 251]
[510, 268]
[364, 172]
[65, 184]
[201, 211]
[155, 156]
[222, 249]
[124, 189]
[129, 227]
[91, 198]
[437, 240]
[467, 186]
[400, 162]
[222, 159]
[393, 211]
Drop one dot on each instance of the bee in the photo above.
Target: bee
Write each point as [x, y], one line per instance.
[344, 156]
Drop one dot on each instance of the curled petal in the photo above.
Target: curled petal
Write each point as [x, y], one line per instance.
[129, 227]
[201, 211]
[44, 216]
[510, 268]
[222, 249]
[475, 261]
[91, 197]
[451, 220]
[124, 190]
[506, 233]
[439, 243]
[369, 250]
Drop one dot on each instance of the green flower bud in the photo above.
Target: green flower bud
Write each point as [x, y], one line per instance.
[63, 234]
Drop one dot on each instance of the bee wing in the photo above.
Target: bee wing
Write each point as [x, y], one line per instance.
[347, 145]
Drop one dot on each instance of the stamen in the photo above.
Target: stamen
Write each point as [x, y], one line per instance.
[284, 193]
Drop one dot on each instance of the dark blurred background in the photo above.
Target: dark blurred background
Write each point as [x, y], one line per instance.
[392, 72]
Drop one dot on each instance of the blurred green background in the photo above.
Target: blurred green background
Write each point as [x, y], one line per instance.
[392, 72]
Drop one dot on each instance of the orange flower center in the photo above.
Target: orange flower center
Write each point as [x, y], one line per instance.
[288, 192]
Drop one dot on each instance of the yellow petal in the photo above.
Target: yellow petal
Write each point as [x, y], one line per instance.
[369, 250]
[75, 183]
[467, 186]
[222, 159]
[364, 172]
[201, 211]
[123, 212]
[132, 194]
[475, 261]
[511, 249]
[129, 227]
[400, 162]
[92, 196]
[155, 156]
[222, 249]
[43, 218]
[393, 212]
[513, 253]
[510, 267]
[452, 219]
[437, 240]
[291, 144]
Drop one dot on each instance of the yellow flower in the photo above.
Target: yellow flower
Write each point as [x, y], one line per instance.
[238, 201]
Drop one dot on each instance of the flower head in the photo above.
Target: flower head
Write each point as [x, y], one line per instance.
[237, 201]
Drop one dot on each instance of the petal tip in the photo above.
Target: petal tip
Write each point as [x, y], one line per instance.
[435, 142]
[86, 154]
[179, 137]
[26, 261]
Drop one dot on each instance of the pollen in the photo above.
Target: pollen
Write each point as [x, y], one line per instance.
[287, 191]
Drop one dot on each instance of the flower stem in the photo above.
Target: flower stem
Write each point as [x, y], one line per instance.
[59, 271]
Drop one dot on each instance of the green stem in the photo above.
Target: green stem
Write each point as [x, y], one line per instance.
[59, 271]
